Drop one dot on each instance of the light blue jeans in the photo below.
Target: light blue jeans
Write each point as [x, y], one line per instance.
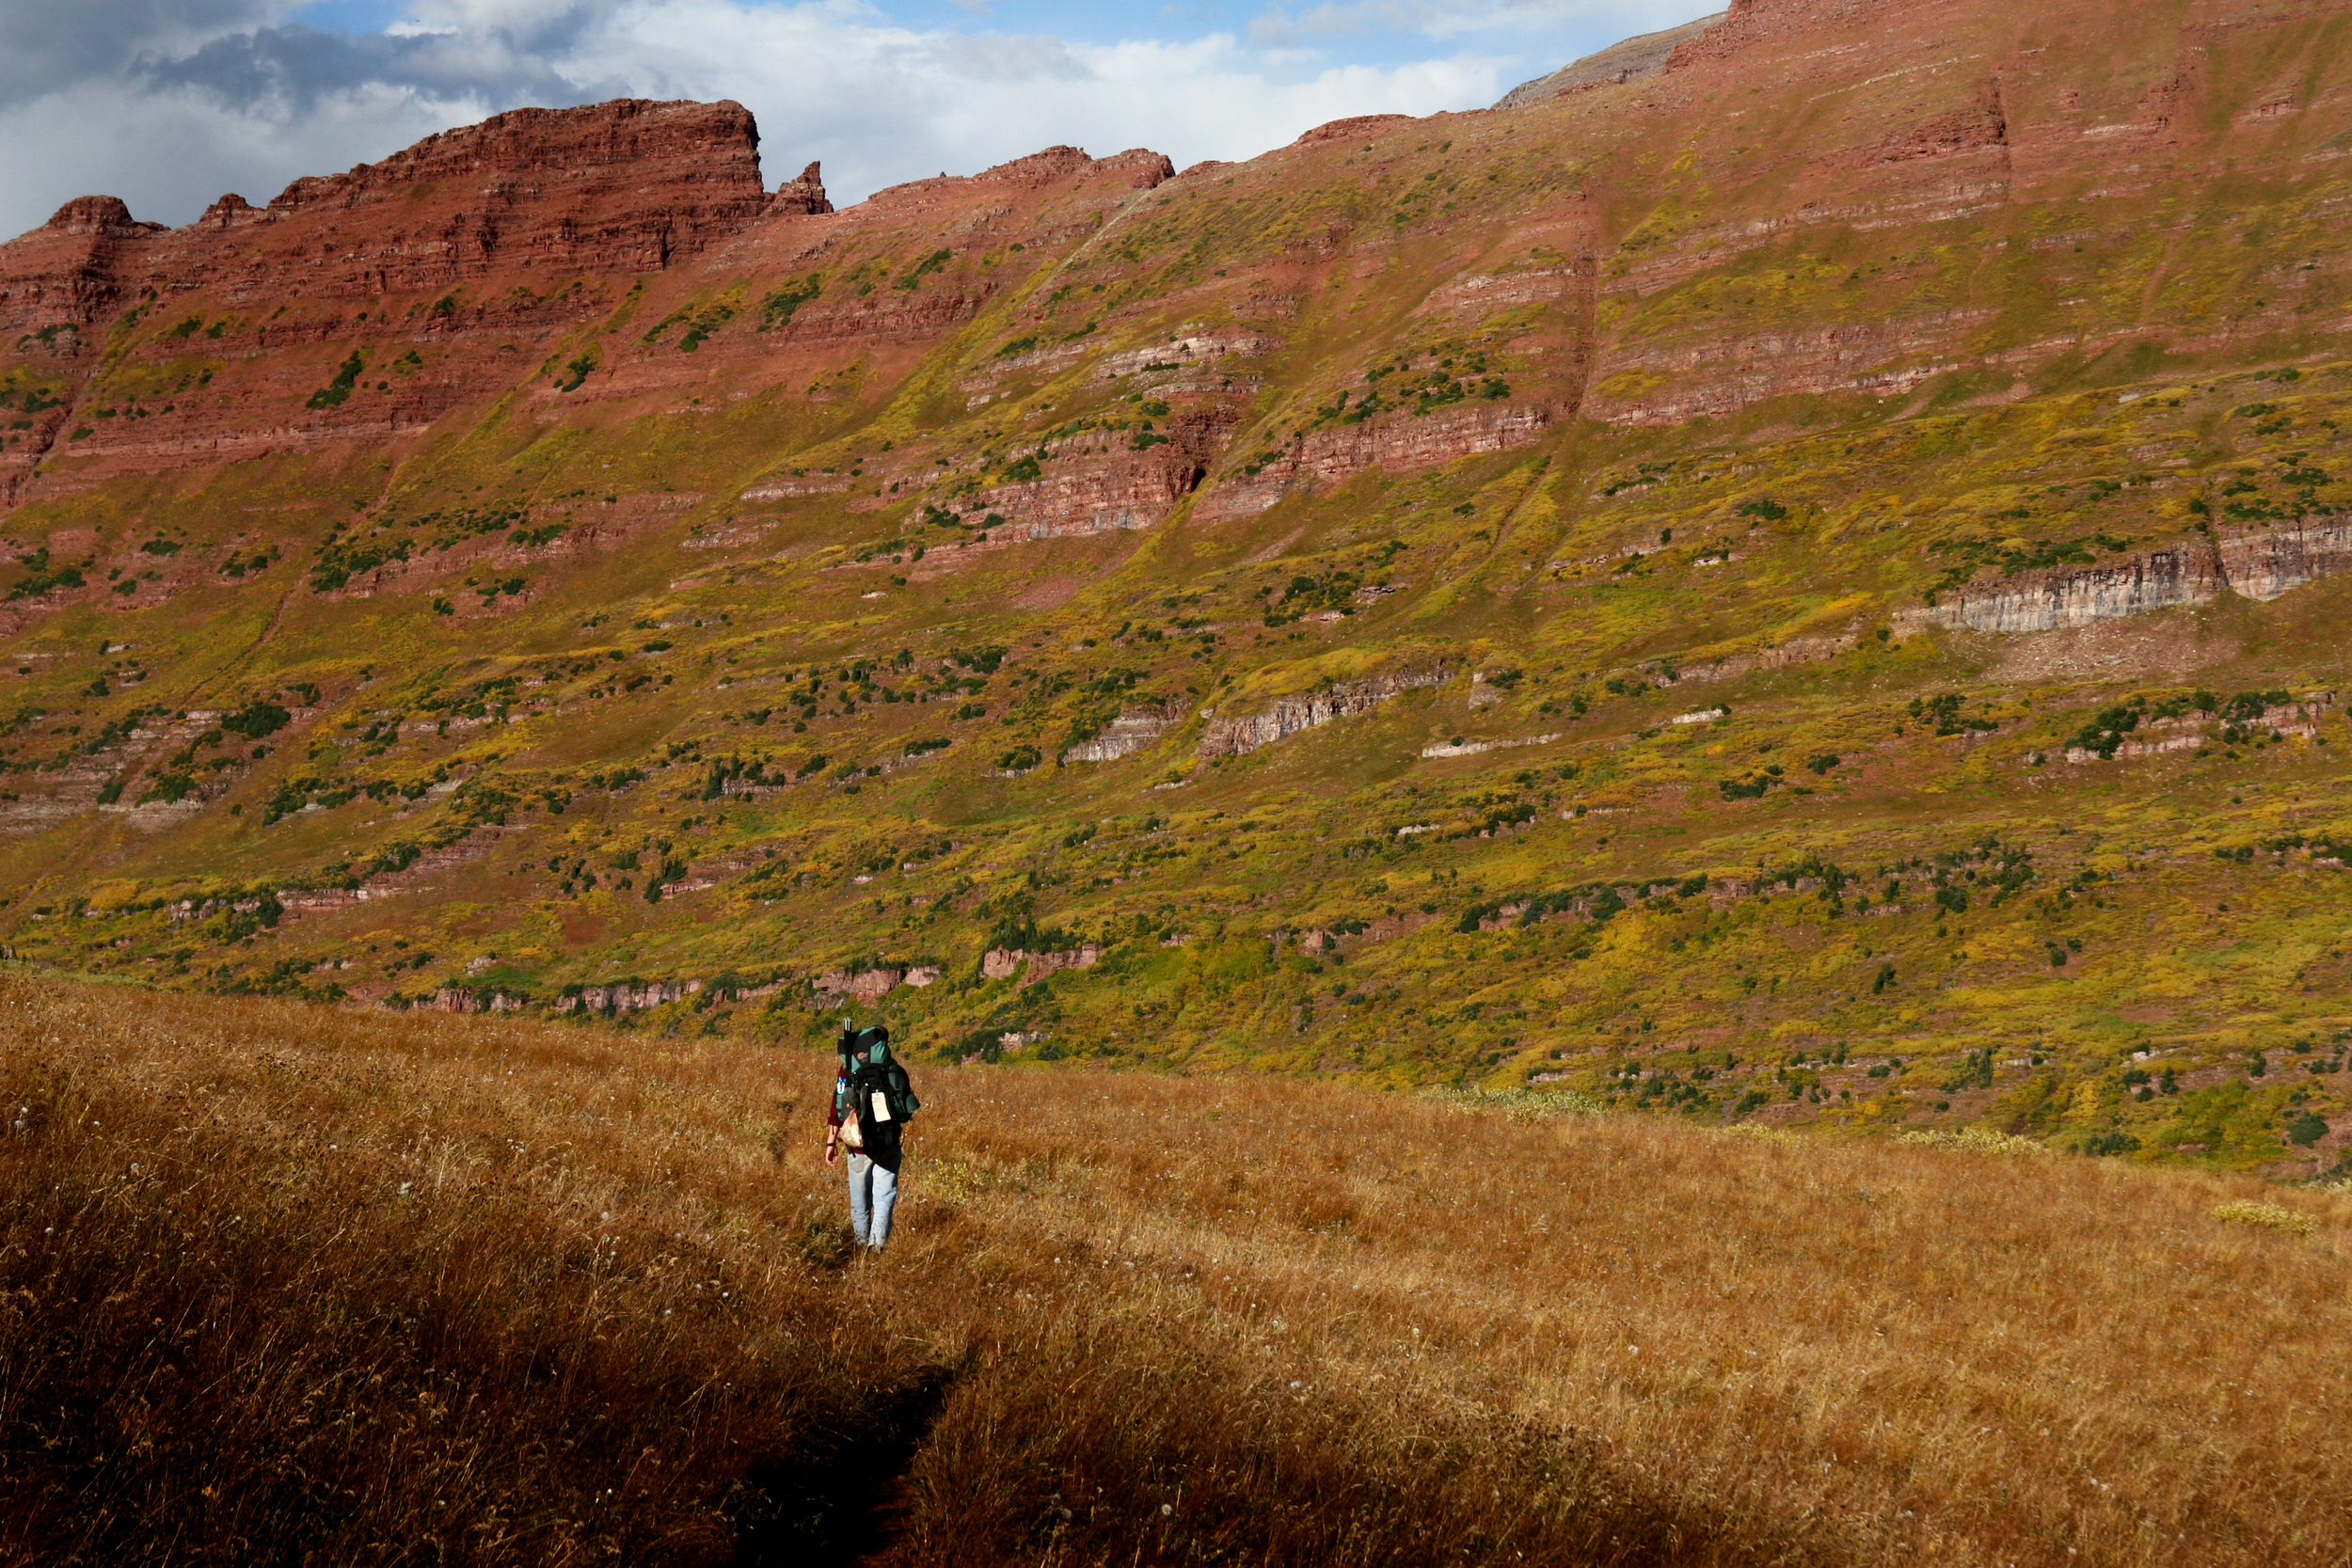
[873, 1194]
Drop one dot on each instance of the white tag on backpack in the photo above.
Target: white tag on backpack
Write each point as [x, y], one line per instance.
[881, 1106]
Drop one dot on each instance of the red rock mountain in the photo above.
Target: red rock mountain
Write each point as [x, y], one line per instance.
[491, 242]
[558, 454]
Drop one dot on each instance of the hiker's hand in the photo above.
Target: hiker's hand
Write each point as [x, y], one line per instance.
[831, 1148]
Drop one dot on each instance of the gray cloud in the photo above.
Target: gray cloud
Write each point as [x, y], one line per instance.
[286, 71]
[997, 61]
[171, 119]
[46, 45]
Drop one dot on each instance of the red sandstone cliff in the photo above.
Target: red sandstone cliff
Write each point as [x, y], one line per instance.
[617, 187]
[621, 260]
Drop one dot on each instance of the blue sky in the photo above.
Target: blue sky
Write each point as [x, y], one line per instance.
[170, 102]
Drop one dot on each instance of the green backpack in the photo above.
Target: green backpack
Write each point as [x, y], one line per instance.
[873, 1088]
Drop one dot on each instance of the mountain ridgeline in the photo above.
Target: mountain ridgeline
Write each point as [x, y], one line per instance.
[1801, 575]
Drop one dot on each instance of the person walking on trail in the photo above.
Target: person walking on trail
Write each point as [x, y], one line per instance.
[872, 1103]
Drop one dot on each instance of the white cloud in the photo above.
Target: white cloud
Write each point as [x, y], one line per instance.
[170, 155]
[880, 104]
[253, 104]
[1448, 19]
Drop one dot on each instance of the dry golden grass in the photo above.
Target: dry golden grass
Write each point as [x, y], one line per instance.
[284, 1282]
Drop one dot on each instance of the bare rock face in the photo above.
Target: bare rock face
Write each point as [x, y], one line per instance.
[1356, 125]
[1797, 650]
[1397, 441]
[2258, 563]
[1288, 716]
[366, 306]
[1746, 22]
[1131, 732]
[999, 964]
[624, 186]
[1138, 169]
[66, 273]
[2187, 573]
[96, 215]
[1628, 61]
[1054, 163]
[1104, 482]
[804, 197]
[2269, 561]
[864, 984]
[229, 211]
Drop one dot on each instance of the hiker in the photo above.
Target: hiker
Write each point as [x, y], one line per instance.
[872, 1103]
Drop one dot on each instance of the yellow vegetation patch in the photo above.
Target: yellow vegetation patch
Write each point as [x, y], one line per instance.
[1982, 1139]
[2247, 1211]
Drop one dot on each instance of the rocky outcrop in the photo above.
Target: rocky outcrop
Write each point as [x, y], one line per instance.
[801, 198]
[1628, 61]
[1000, 963]
[2266, 562]
[1719, 374]
[469, 999]
[70, 270]
[2186, 573]
[2260, 564]
[1395, 441]
[1747, 24]
[2301, 719]
[1131, 732]
[1289, 715]
[1350, 128]
[1188, 348]
[1043, 964]
[1475, 747]
[1138, 169]
[1101, 480]
[627, 996]
[871, 984]
[512, 229]
[1797, 650]
[624, 186]
[860, 985]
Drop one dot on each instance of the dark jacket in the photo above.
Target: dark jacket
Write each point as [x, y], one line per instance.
[879, 1126]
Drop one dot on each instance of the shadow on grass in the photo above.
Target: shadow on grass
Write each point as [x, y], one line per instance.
[838, 1498]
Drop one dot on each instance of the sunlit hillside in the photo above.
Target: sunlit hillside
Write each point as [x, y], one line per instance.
[1804, 587]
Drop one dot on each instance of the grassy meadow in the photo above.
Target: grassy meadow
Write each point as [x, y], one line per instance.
[286, 1283]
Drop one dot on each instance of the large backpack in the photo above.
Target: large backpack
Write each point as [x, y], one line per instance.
[875, 1086]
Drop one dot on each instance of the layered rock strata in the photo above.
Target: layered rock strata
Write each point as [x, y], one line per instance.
[1797, 650]
[1131, 732]
[1097, 484]
[1001, 963]
[2260, 563]
[801, 198]
[2266, 562]
[1398, 441]
[614, 187]
[2301, 719]
[1288, 716]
